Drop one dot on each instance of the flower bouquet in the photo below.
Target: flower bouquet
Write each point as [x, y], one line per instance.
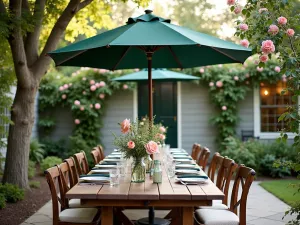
[139, 140]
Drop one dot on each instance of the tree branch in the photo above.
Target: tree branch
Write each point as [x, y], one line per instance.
[2, 7]
[25, 5]
[32, 39]
[84, 4]
[56, 34]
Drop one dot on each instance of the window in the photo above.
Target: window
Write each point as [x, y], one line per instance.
[3, 123]
[272, 105]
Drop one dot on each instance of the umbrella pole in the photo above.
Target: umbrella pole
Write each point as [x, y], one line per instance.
[150, 100]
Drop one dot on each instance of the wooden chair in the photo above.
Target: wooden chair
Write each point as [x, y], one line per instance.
[83, 216]
[96, 155]
[214, 166]
[203, 158]
[101, 150]
[245, 177]
[72, 167]
[194, 151]
[81, 163]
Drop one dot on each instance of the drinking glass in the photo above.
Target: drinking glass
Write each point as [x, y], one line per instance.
[171, 169]
[121, 166]
[114, 177]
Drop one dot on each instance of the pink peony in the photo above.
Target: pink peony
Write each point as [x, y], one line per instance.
[97, 85]
[125, 126]
[93, 88]
[92, 82]
[76, 102]
[264, 58]
[267, 47]
[125, 86]
[273, 29]
[64, 96]
[237, 9]
[102, 84]
[97, 106]
[77, 121]
[230, 2]
[81, 108]
[130, 144]
[151, 147]
[219, 84]
[236, 78]
[162, 129]
[245, 43]
[261, 10]
[243, 27]
[259, 69]
[290, 32]
[211, 84]
[224, 107]
[102, 96]
[282, 20]
[277, 69]
[66, 86]
[201, 70]
[91, 106]
[162, 137]
[61, 88]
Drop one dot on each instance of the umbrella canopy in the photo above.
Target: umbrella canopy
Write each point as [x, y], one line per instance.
[157, 74]
[149, 41]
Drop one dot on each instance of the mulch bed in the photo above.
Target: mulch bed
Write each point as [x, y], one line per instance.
[16, 213]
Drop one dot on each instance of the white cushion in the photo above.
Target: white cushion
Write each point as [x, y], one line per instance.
[76, 203]
[79, 215]
[217, 206]
[216, 217]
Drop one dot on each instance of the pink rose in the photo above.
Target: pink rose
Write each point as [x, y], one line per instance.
[220, 65]
[92, 82]
[76, 102]
[259, 69]
[219, 84]
[162, 129]
[290, 32]
[230, 2]
[125, 86]
[91, 106]
[66, 86]
[102, 96]
[236, 78]
[245, 43]
[125, 126]
[237, 9]
[93, 88]
[243, 27]
[264, 58]
[277, 69]
[102, 70]
[151, 147]
[282, 20]
[211, 84]
[224, 107]
[273, 29]
[162, 137]
[201, 70]
[81, 108]
[263, 10]
[247, 75]
[130, 144]
[61, 88]
[64, 96]
[102, 84]
[267, 47]
[97, 106]
[97, 85]
[77, 121]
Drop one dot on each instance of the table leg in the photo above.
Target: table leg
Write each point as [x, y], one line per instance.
[107, 215]
[187, 215]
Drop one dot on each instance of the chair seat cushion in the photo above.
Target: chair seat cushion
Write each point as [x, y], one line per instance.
[216, 217]
[215, 205]
[79, 215]
[75, 203]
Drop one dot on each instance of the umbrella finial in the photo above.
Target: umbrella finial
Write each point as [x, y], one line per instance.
[148, 11]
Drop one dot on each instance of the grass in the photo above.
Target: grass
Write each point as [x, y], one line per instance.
[283, 190]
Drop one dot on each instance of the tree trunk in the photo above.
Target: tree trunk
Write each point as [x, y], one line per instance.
[18, 146]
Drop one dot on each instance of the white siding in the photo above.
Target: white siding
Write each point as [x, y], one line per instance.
[119, 107]
[196, 113]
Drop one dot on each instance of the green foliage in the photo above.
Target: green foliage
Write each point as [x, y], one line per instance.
[267, 167]
[31, 169]
[50, 161]
[46, 125]
[34, 184]
[36, 151]
[55, 148]
[2, 201]
[12, 193]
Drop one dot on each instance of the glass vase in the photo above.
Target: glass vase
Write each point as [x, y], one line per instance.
[148, 162]
[138, 170]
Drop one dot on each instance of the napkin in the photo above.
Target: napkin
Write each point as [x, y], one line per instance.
[201, 175]
[187, 168]
[108, 163]
[94, 175]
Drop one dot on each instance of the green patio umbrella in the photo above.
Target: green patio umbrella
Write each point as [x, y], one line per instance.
[149, 41]
[157, 74]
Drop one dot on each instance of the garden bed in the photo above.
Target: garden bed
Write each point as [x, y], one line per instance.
[16, 213]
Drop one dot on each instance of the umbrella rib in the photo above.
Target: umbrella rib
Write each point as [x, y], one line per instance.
[175, 57]
[217, 50]
[71, 57]
[123, 55]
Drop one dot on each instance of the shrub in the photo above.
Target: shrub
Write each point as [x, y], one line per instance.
[36, 151]
[50, 161]
[31, 169]
[55, 148]
[2, 201]
[12, 193]
[34, 184]
[268, 168]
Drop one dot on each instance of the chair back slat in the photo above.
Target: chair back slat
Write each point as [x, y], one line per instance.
[81, 163]
[96, 155]
[244, 175]
[203, 158]
[101, 150]
[194, 152]
[73, 171]
[214, 166]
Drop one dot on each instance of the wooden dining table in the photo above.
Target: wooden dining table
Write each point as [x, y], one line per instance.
[169, 194]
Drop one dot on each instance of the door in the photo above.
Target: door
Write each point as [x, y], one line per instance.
[164, 106]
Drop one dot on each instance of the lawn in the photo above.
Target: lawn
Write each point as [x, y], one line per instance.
[283, 190]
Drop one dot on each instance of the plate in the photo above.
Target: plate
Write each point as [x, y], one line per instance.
[95, 179]
[187, 171]
[193, 180]
[112, 160]
[182, 157]
[100, 171]
[179, 154]
[116, 153]
[106, 166]
[186, 166]
[113, 156]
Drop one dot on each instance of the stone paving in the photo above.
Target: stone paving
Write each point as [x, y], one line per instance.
[262, 209]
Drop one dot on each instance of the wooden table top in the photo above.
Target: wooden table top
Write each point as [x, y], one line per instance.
[169, 189]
